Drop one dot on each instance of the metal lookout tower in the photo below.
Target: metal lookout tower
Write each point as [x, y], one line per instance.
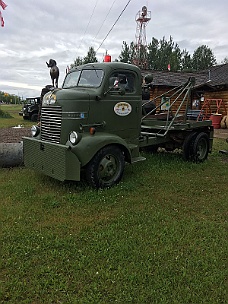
[142, 18]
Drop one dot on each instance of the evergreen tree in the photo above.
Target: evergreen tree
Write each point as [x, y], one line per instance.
[163, 53]
[186, 61]
[128, 52]
[225, 60]
[203, 58]
[175, 57]
[78, 61]
[153, 54]
[90, 57]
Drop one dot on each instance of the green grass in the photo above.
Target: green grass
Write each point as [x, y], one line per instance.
[11, 117]
[157, 237]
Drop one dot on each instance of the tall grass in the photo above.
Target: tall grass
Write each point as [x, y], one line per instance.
[157, 237]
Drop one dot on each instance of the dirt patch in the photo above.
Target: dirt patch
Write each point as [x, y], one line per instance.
[13, 135]
[221, 133]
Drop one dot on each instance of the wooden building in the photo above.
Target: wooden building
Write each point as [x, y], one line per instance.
[209, 94]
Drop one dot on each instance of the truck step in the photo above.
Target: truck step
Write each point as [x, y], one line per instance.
[152, 135]
[154, 127]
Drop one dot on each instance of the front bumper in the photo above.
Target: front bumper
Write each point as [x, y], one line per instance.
[51, 159]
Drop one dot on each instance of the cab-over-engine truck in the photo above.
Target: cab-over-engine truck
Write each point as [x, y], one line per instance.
[96, 122]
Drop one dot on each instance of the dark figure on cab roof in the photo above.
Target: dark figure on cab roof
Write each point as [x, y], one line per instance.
[54, 72]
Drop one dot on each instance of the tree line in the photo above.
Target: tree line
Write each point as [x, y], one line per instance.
[9, 98]
[160, 55]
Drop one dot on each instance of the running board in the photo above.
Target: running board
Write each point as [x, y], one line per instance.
[150, 134]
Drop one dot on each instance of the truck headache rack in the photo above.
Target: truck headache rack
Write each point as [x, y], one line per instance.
[159, 124]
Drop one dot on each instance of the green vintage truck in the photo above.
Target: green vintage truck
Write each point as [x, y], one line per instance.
[97, 122]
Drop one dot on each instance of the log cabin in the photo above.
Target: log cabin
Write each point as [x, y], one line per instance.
[209, 94]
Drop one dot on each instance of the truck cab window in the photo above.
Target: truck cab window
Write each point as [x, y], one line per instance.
[91, 78]
[124, 80]
[84, 78]
[71, 79]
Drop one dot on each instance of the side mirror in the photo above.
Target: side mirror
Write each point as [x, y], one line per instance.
[120, 90]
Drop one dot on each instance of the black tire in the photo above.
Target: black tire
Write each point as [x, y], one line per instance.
[200, 148]
[106, 168]
[187, 148]
[34, 117]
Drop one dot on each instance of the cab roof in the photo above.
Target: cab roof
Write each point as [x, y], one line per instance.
[108, 66]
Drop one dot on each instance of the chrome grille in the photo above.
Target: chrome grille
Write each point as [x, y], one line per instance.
[51, 124]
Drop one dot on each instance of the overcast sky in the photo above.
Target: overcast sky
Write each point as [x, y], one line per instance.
[37, 30]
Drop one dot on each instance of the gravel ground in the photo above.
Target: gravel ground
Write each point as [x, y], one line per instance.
[221, 133]
[13, 135]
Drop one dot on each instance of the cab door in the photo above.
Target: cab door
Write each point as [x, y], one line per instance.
[121, 105]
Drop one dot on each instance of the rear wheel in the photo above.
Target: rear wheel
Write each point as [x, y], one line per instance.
[200, 148]
[106, 167]
[188, 145]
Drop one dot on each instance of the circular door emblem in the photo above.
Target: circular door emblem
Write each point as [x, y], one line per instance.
[122, 108]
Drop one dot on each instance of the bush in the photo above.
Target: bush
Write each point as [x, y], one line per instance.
[4, 114]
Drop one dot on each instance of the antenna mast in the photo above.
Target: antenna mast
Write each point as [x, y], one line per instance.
[142, 18]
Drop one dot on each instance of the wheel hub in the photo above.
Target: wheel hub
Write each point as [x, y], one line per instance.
[107, 167]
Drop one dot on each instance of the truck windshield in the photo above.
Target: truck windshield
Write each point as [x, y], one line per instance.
[84, 78]
[31, 101]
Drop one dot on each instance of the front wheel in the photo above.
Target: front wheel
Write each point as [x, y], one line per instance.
[106, 168]
[34, 117]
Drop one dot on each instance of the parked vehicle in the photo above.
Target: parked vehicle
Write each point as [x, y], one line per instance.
[96, 123]
[30, 109]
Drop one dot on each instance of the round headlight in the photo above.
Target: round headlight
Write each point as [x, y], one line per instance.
[35, 131]
[74, 137]
[52, 99]
[49, 98]
[46, 98]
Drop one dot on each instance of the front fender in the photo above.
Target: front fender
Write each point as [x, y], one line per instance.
[89, 145]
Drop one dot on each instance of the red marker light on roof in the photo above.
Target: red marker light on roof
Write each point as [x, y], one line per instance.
[107, 58]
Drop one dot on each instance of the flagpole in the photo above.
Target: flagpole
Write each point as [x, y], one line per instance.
[3, 5]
